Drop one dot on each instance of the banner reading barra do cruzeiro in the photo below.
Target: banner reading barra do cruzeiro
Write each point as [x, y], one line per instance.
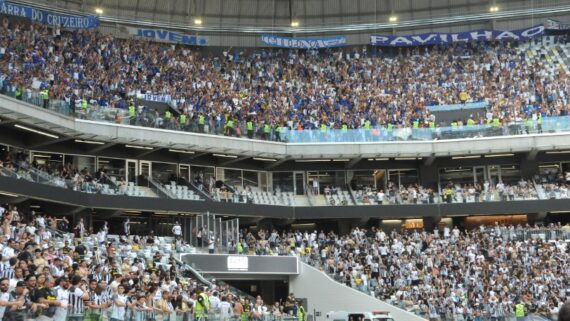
[49, 17]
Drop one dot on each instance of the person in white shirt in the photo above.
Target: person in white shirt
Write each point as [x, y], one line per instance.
[119, 304]
[214, 301]
[177, 230]
[8, 252]
[225, 309]
[5, 298]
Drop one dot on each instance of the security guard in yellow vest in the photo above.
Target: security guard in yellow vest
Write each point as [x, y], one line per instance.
[528, 124]
[182, 121]
[266, 131]
[300, 312]
[132, 114]
[366, 128]
[519, 312]
[84, 104]
[470, 122]
[539, 123]
[250, 128]
[201, 122]
[230, 127]
[431, 125]
[454, 125]
[277, 130]
[496, 122]
[416, 123]
[45, 97]
[19, 93]
[344, 131]
[246, 310]
[202, 306]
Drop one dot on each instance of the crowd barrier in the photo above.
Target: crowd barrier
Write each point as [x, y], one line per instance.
[373, 134]
[137, 314]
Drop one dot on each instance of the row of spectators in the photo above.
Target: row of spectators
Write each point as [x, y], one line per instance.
[445, 274]
[47, 275]
[270, 89]
[450, 193]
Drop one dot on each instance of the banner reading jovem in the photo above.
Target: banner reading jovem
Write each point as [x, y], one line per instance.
[304, 43]
[435, 38]
[168, 36]
[49, 17]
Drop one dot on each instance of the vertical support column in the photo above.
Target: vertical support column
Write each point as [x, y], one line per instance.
[237, 229]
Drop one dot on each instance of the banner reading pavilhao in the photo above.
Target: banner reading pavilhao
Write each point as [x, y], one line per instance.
[303, 43]
[49, 17]
[436, 38]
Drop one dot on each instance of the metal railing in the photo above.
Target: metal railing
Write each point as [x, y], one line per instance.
[376, 133]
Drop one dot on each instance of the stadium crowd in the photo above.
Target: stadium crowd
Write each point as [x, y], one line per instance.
[49, 275]
[446, 274]
[265, 90]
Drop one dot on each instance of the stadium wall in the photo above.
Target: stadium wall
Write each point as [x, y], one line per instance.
[315, 285]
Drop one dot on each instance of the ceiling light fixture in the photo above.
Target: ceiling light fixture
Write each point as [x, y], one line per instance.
[138, 147]
[89, 142]
[36, 131]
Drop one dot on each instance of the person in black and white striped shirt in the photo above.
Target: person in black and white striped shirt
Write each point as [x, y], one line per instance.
[77, 296]
[98, 301]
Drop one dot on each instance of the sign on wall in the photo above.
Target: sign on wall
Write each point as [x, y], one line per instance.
[552, 24]
[238, 263]
[49, 17]
[303, 43]
[436, 38]
[162, 35]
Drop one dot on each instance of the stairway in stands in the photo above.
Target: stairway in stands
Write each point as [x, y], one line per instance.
[555, 55]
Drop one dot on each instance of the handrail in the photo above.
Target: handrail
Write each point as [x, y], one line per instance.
[194, 271]
[310, 195]
[351, 193]
[159, 187]
[40, 173]
[196, 189]
[200, 276]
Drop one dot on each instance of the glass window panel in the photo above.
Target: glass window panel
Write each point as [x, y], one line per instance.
[50, 163]
[510, 174]
[283, 181]
[362, 179]
[164, 172]
[548, 171]
[83, 163]
[115, 167]
[408, 176]
[251, 179]
[202, 174]
[233, 177]
[456, 175]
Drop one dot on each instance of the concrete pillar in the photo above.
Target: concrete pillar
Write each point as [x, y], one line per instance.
[529, 168]
[267, 290]
[535, 218]
[431, 222]
[428, 174]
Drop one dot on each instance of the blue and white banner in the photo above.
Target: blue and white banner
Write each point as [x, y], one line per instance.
[49, 17]
[304, 43]
[552, 24]
[168, 36]
[436, 38]
[157, 98]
